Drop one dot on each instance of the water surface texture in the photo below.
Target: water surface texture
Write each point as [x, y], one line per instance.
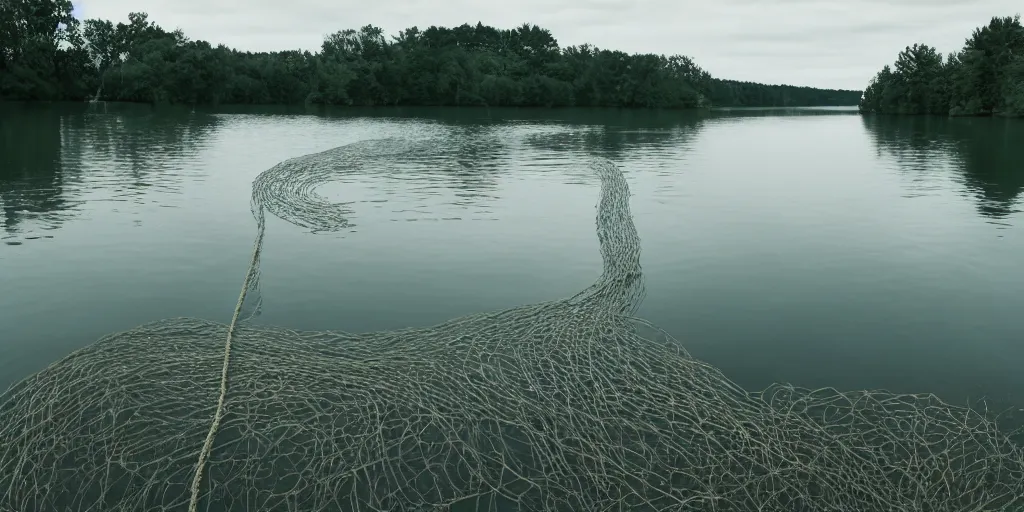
[811, 246]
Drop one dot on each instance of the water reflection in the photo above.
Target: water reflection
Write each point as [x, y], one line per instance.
[986, 154]
[613, 133]
[617, 142]
[735, 112]
[33, 186]
[609, 132]
[482, 148]
[475, 116]
[55, 157]
[142, 146]
[477, 151]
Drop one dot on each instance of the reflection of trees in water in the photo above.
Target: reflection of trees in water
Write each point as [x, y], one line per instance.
[599, 130]
[992, 156]
[988, 152]
[566, 137]
[478, 152]
[618, 134]
[119, 152]
[142, 146]
[50, 155]
[740, 112]
[32, 178]
[485, 142]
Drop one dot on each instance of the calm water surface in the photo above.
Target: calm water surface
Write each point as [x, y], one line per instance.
[815, 247]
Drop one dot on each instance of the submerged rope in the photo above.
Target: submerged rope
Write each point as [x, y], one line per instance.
[247, 284]
[262, 196]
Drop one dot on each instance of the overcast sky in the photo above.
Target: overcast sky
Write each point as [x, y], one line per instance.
[820, 43]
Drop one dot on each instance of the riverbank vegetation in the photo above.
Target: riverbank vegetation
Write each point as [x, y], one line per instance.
[47, 54]
[986, 77]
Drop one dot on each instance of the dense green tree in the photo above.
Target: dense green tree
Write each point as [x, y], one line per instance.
[39, 45]
[986, 77]
[45, 56]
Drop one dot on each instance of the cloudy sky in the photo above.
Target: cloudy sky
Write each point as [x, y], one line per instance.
[821, 43]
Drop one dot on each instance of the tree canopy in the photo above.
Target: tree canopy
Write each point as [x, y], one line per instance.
[986, 77]
[47, 54]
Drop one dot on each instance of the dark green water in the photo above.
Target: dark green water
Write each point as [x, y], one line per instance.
[815, 247]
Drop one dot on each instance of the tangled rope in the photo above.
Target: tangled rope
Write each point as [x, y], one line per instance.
[570, 404]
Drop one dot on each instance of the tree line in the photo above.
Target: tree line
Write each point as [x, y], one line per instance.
[986, 77]
[47, 54]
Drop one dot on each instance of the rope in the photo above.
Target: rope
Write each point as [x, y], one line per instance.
[570, 404]
[204, 454]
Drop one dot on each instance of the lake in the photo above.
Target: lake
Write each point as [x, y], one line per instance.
[810, 246]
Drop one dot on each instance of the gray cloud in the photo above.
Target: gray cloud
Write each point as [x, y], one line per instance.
[822, 43]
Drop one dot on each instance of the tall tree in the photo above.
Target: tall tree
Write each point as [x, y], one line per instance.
[985, 77]
[35, 36]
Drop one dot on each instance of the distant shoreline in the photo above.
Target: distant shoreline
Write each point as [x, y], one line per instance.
[467, 65]
[312, 108]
